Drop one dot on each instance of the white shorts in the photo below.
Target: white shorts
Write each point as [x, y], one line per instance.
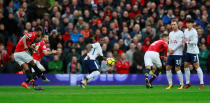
[38, 64]
[152, 58]
[22, 57]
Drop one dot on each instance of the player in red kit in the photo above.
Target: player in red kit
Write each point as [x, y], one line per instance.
[41, 50]
[23, 57]
[152, 57]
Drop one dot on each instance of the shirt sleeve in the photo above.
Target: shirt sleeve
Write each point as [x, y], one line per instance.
[165, 48]
[194, 38]
[95, 45]
[30, 36]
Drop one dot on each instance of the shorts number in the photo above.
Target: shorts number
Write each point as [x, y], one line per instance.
[178, 62]
[195, 58]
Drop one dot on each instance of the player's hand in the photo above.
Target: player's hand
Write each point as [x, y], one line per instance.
[26, 47]
[88, 57]
[171, 51]
[165, 58]
[54, 51]
[139, 67]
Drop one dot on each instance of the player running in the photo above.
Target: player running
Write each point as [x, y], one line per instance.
[23, 57]
[94, 50]
[41, 50]
[175, 54]
[152, 57]
[191, 56]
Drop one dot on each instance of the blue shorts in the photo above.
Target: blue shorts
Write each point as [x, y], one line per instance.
[174, 60]
[191, 58]
[90, 65]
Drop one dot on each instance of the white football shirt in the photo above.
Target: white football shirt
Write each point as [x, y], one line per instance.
[175, 42]
[192, 40]
[95, 51]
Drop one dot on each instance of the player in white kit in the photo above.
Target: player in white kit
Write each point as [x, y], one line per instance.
[94, 50]
[175, 54]
[191, 56]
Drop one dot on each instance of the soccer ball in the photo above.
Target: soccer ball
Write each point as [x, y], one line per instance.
[110, 61]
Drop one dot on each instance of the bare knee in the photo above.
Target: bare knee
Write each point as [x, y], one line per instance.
[168, 68]
[177, 68]
[196, 65]
[186, 65]
[25, 66]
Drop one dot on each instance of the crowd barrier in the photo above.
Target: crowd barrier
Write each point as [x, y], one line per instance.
[103, 79]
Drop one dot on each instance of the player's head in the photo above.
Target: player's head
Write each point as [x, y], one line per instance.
[38, 31]
[174, 25]
[102, 40]
[164, 37]
[190, 23]
[46, 38]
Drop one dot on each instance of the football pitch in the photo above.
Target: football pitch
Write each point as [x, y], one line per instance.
[104, 94]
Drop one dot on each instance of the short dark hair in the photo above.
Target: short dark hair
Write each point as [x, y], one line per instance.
[190, 21]
[38, 29]
[164, 35]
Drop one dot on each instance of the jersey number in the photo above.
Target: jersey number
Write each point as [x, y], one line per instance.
[93, 51]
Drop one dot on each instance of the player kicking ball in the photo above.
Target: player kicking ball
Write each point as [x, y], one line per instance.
[23, 57]
[41, 50]
[152, 57]
[94, 50]
[191, 56]
[175, 54]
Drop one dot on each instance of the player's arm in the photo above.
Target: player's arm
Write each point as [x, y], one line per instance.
[48, 52]
[24, 42]
[194, 38]
[165, 51]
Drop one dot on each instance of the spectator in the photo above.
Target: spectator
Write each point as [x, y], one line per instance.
[129, 53]
[56, 65]
[4, 57]
[11, 66]
[106, 69]
[86, 31]
[138, 58]
[75, 36]
[123, 65]
[74, 66]
[203, 56]
[167, 18]
[147, 42]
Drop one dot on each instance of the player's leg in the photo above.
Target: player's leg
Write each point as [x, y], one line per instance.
[169, 65]
[169, 76]
[30, 63]
[187, 69]
[39, 65]
[180, 76]
[148, 64]
[178, 60]
[93, 69]
[199, 70]
[156, 60]
[21, 59]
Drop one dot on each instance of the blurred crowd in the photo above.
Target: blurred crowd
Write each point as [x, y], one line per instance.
[127, 26]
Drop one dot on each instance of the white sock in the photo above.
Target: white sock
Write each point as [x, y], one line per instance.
[187, 75]
[169, 76]
[200, 75]
[180, 76]
[92, 75]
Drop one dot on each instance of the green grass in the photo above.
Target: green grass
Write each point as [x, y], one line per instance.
[104, 94]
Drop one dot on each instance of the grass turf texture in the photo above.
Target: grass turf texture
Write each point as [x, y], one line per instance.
[104, 94]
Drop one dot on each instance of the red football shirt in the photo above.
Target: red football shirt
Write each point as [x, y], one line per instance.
[40, 48]
[30, 38]
[159, 46]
